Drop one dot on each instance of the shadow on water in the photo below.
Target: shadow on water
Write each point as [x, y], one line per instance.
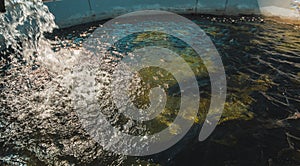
[262, 66]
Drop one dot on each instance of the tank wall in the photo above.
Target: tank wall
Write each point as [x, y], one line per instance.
[73, 12]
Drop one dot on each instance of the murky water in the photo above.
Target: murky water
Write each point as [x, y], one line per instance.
[39, 126]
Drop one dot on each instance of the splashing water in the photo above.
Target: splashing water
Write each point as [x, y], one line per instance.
[36, 94]
[24, 23]
[38, 124]
[34, 99]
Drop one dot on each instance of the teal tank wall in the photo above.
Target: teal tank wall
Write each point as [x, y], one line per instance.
[73, 12]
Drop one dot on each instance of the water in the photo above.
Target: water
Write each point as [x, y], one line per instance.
[262, 65]
[39, 125]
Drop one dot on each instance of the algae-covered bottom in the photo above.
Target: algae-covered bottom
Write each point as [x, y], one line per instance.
[262, 65]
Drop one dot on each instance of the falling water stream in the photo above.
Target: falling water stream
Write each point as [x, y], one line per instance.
[38, 124]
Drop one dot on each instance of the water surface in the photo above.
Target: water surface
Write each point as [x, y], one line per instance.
[39, 126]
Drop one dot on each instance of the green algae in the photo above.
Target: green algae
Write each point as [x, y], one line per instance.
[237, 105]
